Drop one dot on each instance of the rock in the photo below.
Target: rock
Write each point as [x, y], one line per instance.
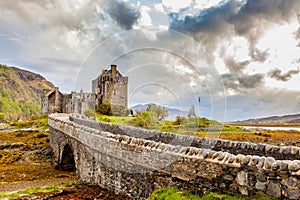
[228, 177]
[293, 182]
[239, 158]
[295, 150]
[294, 166]
[242, 178]
[293, 194]
[283, 166]
[261, 162]
[261, 178]
[243, 191]
[254, 160]
[275, 165]
[268, 162]
[260, 185]
[221, 156]
[273, 189]
[231, 158]
[246, 160]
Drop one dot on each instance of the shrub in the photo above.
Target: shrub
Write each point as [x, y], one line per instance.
[179, 120]
[91, 114]
[143, 120]
[105, 108]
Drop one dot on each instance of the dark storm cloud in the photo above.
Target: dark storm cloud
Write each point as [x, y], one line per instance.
[124, 15]
[248, 18]
[211, 20]
[278, 75]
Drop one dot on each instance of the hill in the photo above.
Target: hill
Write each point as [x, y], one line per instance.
[20, 94]
[285, 119]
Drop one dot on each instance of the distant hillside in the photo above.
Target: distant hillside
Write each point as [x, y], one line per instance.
[20, 94]
[286, 119]
[173, 112]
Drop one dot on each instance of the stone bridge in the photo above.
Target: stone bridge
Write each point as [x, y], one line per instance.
[134, 162]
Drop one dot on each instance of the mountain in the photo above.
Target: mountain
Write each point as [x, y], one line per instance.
[20, 94]
[285, 119]
[173, 112]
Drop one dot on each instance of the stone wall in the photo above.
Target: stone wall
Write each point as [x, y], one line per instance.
[130, 162]
[233, 147]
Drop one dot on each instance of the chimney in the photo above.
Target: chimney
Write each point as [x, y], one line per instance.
[113, 70]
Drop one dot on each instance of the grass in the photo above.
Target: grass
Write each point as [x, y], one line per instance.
[198, 126]
[171, 193]
[37, 189]
[38, 121]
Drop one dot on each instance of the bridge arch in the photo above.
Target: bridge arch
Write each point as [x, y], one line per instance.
[67, 158]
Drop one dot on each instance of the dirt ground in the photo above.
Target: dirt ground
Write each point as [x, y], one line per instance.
[268, 137]
[25, 161]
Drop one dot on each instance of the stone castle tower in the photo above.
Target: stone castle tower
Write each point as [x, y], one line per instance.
[111, 87]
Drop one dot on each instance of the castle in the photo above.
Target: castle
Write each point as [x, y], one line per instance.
[109, 88]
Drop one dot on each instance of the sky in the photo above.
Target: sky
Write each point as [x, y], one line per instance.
[231, 59]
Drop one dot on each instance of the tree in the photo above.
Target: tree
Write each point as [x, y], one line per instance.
[158, 111]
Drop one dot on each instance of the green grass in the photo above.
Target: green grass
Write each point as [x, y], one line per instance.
[38, 121]
[197, 126]
[38, 189]
[171, 193]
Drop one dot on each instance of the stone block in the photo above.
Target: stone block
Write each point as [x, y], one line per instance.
[260, 185]
[274, 189]
[242, 178]
[293, 193]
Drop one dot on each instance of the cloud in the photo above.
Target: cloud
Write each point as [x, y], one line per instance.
[247, 18]
[240, 82]
[262, 102]
[124, 15]
[233, 66]
[176, 5]
[278, 75]
[54, 38]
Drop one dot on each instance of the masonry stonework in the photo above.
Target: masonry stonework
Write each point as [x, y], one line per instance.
[111, 86]
[135, 162]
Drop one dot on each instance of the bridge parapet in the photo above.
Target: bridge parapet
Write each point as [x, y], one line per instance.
[114, 157]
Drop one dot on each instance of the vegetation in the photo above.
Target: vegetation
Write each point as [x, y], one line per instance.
[20, 94]
[37, 121]
[171, 193]
[143, 120]
[91, 114]
[180, 125]
[11, 109]
[157, 112]
[105, 108]
[38, 189]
